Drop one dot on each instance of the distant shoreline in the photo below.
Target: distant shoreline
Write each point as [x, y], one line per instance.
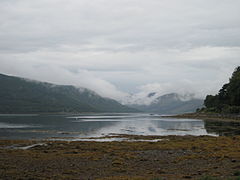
[208, 116]
[201, 116]
[62, 113]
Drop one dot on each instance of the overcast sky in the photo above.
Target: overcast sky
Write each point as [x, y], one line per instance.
[117, 47]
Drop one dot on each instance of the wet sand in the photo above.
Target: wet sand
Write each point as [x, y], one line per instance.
[174, 157]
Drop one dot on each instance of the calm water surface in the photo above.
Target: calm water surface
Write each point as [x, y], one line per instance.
[95, 125]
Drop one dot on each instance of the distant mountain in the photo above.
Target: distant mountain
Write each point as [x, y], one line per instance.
[18, 95]
[167, 104]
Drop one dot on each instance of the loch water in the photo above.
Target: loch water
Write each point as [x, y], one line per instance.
[34, 126]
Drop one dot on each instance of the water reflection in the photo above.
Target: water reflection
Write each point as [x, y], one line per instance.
[223, 128]
[142, 124]
[152, 127]
[95, 125]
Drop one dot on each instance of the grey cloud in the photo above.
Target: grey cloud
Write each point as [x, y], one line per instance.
[122, 44]
[30, 25]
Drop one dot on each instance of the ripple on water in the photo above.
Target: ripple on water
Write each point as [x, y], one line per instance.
[13, 126]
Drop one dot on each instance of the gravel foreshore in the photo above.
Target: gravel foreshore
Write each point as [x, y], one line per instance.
[172, 157]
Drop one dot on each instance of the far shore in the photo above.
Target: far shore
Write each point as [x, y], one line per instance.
[208, 116]
[201, 116]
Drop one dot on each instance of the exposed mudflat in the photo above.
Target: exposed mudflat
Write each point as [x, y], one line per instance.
[174, 157]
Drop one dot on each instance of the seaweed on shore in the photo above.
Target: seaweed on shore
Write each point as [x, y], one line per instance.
[176, 157]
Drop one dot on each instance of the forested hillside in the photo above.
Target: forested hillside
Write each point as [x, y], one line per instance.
[18, 95]
[228, 98]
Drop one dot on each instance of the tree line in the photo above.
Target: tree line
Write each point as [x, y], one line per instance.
[227, 100]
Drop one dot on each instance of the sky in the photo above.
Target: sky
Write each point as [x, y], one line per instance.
[122, 47]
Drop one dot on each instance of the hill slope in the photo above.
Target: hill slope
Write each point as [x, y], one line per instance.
[18, 95]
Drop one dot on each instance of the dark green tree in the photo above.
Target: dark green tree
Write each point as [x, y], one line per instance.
[228, 98]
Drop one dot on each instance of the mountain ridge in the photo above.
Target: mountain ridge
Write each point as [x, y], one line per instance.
[171, 103]
[20, 95]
